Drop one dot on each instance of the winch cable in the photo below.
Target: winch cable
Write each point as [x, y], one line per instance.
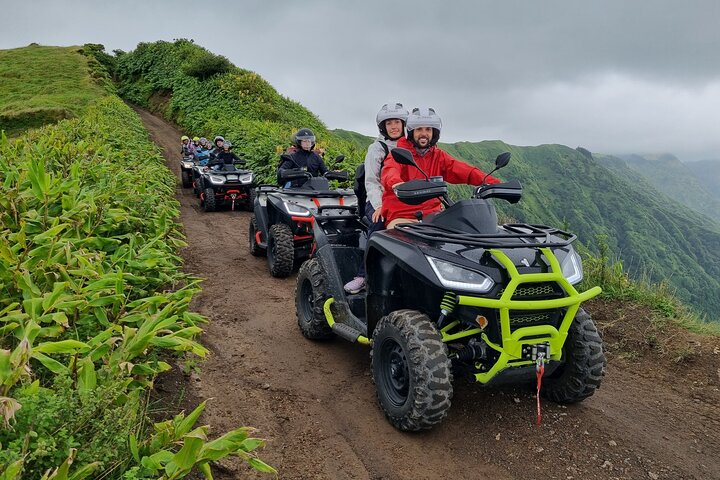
[539, 371]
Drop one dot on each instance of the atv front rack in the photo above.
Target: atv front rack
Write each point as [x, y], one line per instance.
[537, 236]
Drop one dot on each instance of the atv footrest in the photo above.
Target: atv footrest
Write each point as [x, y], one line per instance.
[346, 331]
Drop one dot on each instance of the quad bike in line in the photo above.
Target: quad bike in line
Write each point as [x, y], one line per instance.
[457, 294]
[285, 219]
[228, 184]
[187, 164]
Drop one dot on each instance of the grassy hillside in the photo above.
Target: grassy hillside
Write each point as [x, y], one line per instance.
[678, 181]
[41, 85]
[358, 139]
[208, 96]
[650, 233]
[708, 171]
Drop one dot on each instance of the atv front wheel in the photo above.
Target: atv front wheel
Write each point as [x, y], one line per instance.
[255, 249]
[251, 200]
[209, 200]
[186, 181]
[584, 362]
[311, 293]
[411, 370]
[280, 250]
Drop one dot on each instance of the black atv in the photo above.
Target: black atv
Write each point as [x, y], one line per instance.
[457, 294]
[187, 164]
[226, 185]
[285, 219]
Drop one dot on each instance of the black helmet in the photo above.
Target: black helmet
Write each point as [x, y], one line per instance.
[304, 134]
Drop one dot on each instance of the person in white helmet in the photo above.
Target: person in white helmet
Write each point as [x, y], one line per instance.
[423, 132]
[391, 123]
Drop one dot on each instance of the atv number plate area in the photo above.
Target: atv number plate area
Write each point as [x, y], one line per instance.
[535, 351]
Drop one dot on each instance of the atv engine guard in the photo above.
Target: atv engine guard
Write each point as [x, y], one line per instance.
[517, 347]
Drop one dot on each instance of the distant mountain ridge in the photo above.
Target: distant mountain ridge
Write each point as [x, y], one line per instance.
[681, 181]
[653, 234]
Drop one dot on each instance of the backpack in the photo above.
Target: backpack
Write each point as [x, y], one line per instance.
[359, 185]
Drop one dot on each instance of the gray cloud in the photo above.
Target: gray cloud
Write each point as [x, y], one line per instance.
[611, 76]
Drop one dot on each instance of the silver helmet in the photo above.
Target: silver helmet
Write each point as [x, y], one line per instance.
[424, 117]
[390, 111]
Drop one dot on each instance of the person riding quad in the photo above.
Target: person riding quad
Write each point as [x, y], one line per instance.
[217, 145]
[187, 148]
[423, 132]
[202, 153]
[304, 158]
[390, 121]
[225, 157]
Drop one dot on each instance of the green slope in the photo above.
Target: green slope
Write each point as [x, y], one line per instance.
[358, 139]
[41, 85]
[708, 171]
[679, 181]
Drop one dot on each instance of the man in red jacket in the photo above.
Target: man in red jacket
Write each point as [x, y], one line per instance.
[423, 132]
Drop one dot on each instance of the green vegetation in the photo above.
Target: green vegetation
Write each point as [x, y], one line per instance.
[176, 80]
[93, 301]
[32, 95]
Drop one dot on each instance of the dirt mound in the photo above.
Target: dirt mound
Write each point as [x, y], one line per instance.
[655, 417]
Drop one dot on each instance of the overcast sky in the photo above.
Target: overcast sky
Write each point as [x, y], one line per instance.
[611, 76]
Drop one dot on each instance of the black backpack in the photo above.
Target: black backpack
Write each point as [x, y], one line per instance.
[359, 186]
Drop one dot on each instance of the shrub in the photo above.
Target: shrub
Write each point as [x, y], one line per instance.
[205, 65]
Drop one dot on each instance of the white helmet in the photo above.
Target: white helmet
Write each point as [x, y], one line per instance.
[424, 117]
[390, 111]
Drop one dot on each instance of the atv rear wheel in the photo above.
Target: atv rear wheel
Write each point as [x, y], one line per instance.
[310, 296]
[255, 249]
[186, 180]
[280, 250]
[411, 370]
[209, 200]
[582, 372]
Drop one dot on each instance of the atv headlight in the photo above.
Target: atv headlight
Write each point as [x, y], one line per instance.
[245, 179]
[571, 267]
[455, 277]
[187, 164]
[217, 179]
[297, 210]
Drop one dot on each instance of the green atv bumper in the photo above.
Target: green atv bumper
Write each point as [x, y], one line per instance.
[513, 341]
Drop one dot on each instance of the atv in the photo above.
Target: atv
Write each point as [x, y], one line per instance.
[285, 219]
[187, 164]
[457, 294]
[226, 184]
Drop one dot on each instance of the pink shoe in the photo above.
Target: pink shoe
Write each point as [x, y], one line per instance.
[356, 285]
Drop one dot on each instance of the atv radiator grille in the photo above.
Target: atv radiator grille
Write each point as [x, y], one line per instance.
[523, 320]
[533, 290]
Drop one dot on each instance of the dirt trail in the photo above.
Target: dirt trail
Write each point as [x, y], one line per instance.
[315, 402]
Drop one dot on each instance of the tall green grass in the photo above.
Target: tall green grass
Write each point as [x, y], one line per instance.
[91, 293]
[41, 85]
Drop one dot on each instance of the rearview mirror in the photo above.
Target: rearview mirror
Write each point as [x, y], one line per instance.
[339, 158]
[502, 160]
[403, 156]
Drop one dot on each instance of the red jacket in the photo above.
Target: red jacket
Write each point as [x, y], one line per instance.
[435, 162]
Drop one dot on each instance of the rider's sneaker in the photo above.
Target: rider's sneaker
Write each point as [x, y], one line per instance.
[356, 285]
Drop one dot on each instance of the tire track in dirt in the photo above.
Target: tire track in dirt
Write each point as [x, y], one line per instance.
[315, 402]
